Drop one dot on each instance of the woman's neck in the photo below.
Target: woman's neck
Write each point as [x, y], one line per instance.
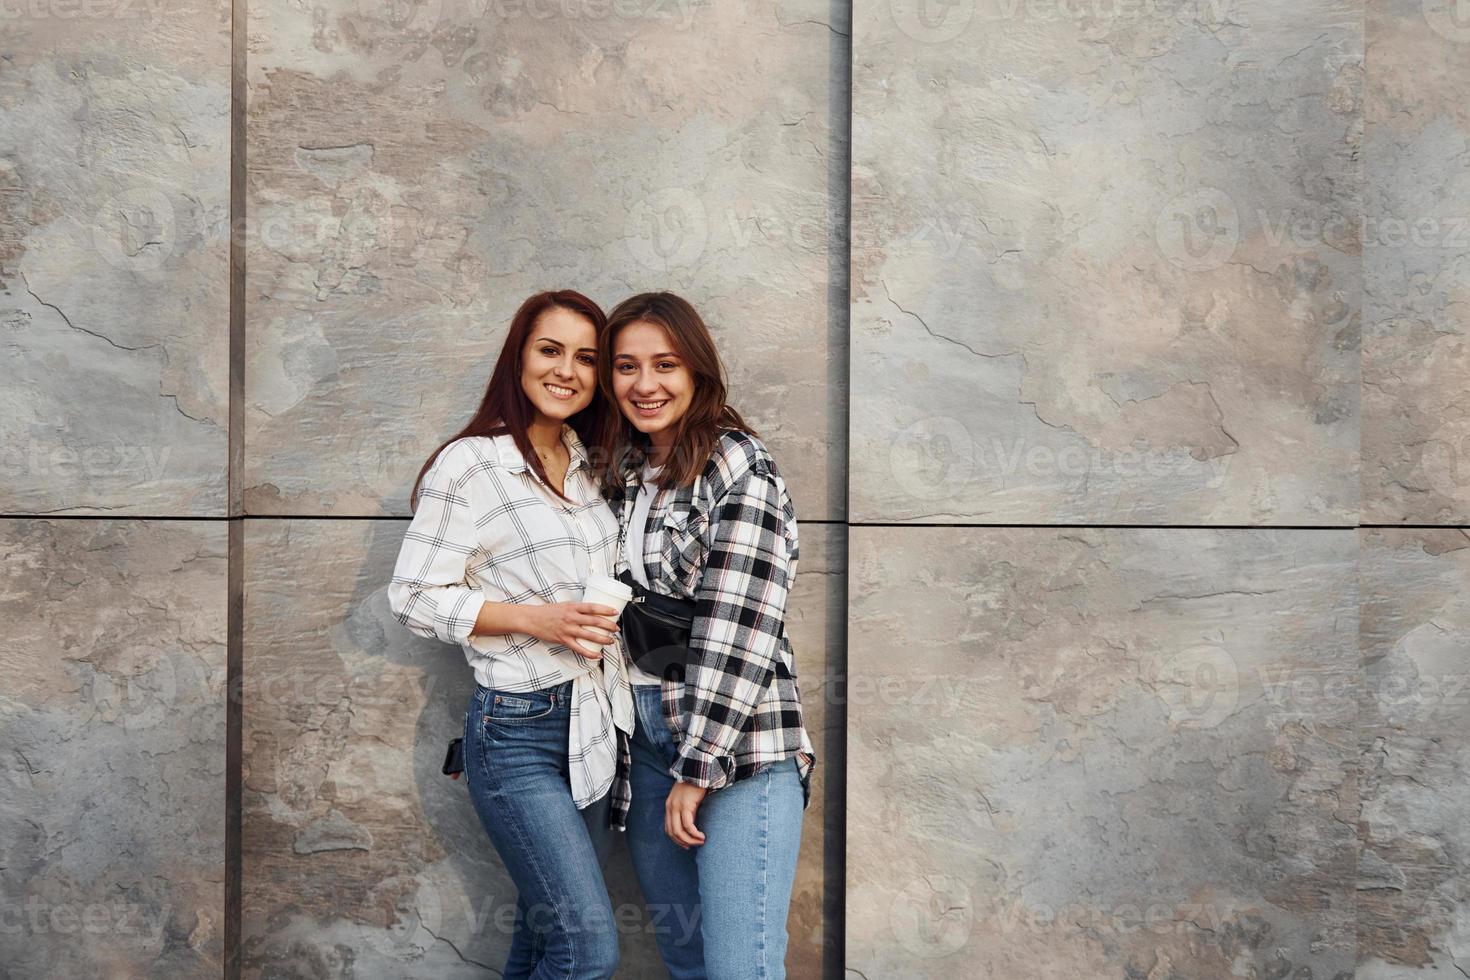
[544, 433]
[658, 454]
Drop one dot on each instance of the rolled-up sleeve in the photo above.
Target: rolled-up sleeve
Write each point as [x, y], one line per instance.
[735, 639]
[430, 593]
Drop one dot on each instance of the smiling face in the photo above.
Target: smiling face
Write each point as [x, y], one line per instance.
[559, 364]
[651, 382]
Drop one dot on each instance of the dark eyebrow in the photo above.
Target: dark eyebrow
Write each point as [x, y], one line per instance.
[653, 358]
[548, 340]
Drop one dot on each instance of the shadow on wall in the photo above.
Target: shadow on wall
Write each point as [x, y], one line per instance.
[361, 858]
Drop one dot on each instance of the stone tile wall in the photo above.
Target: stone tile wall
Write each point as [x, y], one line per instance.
[1150, 467]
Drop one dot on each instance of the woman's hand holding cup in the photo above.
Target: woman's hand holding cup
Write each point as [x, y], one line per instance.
[583, 626]
[610, 594]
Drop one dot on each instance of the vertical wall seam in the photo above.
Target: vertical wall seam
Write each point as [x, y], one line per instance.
[834, 802]
[235, 579]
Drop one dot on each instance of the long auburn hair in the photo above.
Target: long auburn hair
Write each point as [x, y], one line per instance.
[506, 408]
[697, 432]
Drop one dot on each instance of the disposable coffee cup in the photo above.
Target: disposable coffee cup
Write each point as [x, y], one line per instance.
[603, 590]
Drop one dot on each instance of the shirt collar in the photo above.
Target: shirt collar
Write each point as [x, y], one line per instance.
[512, 460]
[575, 447]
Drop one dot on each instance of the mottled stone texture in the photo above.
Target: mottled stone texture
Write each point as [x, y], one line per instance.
[816, 619]
[415, 171]
[112, 726]
[1105, 262]
[114, 240]
[1102, 753]
[1414, 736]
[360, 858]
[1416, 361]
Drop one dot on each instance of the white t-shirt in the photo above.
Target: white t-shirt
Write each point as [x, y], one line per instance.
[633, 553]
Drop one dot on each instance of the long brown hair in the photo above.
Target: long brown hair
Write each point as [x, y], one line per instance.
[506, 408]
[696, 433]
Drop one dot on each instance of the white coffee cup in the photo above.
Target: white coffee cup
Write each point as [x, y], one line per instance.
[605, 590]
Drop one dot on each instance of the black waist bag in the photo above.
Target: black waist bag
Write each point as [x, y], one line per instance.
[656, 630]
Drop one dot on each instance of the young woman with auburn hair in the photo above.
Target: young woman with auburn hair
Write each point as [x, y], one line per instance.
[508, 525]
[721, 760]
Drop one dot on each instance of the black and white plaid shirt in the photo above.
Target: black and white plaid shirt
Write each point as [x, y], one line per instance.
[487, 529]
[729, 542]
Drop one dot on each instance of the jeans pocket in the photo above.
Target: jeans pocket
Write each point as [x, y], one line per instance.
[513, 709]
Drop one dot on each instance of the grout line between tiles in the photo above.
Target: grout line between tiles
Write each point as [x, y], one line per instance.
[204, 519]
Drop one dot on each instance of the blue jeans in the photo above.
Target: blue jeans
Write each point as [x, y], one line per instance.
[519, 781]
[718, 910]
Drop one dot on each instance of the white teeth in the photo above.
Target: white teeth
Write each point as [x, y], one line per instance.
[556, 390]
[649, 406]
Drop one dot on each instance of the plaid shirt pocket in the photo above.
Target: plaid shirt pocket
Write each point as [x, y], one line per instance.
[684, 546]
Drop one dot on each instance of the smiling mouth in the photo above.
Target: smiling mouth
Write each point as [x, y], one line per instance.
[650, 407]
[557, 391]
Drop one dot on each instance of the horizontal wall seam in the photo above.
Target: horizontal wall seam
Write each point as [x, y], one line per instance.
[814, 521]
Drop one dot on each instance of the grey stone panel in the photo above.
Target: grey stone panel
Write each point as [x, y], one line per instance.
[416, 171]
[1414, 740]
[1105, 264]
[360, 858]
[112, 724]
[1416, 239]
[114, 254]
[1102, 753]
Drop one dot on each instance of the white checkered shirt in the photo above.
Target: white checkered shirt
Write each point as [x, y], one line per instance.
[729, 542]
[486, 528]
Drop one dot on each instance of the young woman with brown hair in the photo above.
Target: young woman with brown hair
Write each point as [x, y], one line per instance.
[721, 759]
[508, 525]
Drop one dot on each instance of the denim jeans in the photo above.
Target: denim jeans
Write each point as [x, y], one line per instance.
[718, 910]
[519, 782]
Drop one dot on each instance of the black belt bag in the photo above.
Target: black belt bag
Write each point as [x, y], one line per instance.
[656, 630]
